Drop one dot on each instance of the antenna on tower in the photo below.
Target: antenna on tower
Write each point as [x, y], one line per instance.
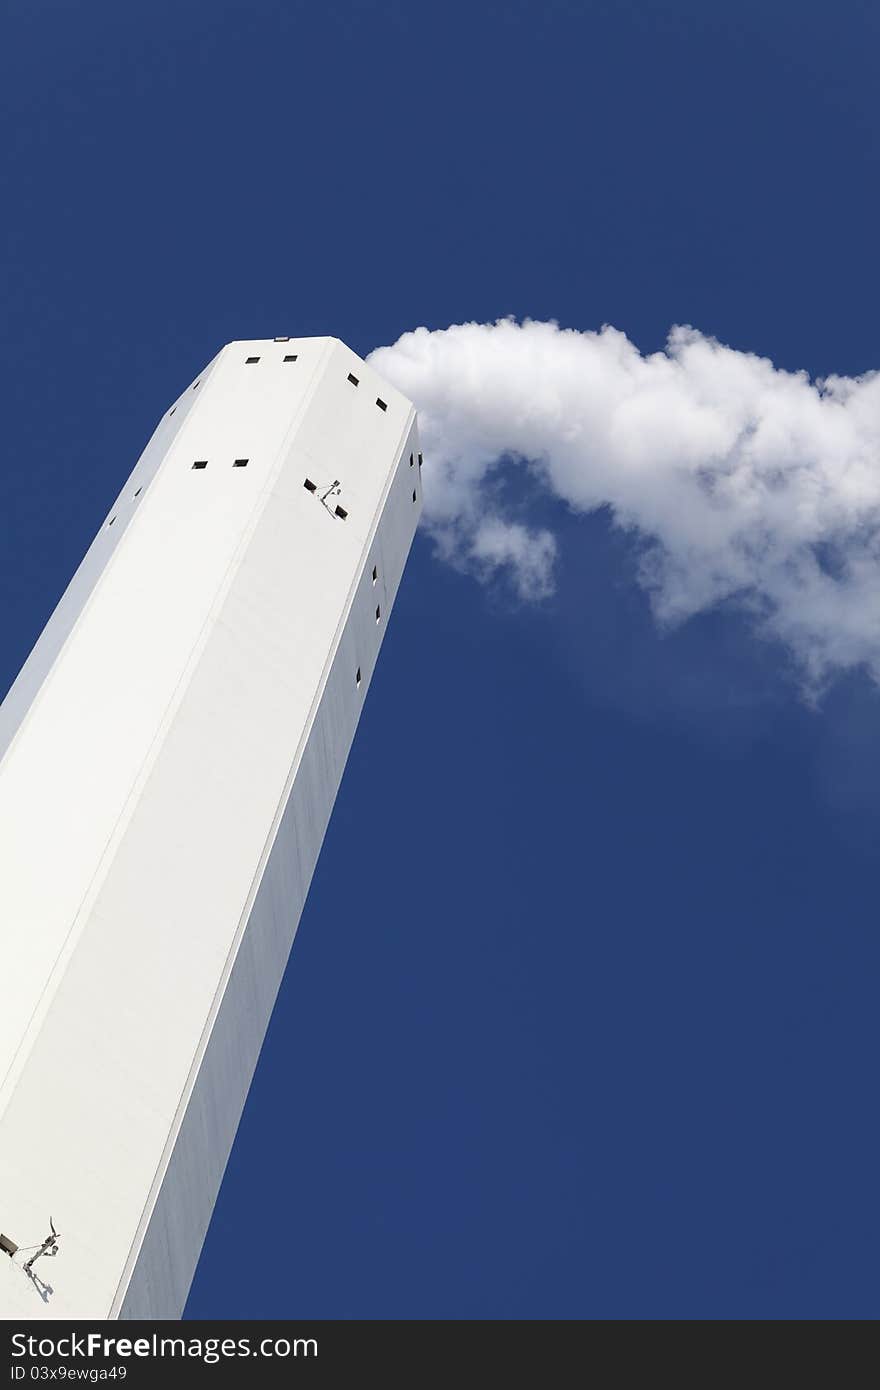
[49, 1247]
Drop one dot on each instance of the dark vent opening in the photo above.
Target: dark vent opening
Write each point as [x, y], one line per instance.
[411, 460]
[200, 463]
[342, 513]
[310, 486]
[375, 574]
[381, 404]
[240, 463]
[414, 494]
[290, 357]
[249, 361]
[353, 379]
[357, 677]
[378, 612]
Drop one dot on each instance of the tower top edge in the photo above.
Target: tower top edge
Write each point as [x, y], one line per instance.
[289, 338]
[257, 346]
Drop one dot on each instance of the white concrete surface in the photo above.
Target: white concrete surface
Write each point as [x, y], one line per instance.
[169, 758]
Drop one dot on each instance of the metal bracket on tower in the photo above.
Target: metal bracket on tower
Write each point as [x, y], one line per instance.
[337, 511]
[48, 1247]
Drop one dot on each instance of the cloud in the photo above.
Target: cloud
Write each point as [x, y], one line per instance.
[530, 554]
[742, 482]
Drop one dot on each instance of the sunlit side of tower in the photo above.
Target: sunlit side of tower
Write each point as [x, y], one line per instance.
[169, 758]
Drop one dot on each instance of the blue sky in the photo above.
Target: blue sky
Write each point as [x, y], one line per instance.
[581, 1017]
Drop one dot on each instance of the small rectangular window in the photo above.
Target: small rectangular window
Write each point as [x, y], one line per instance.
[381, 404]
[310, 486]
[200, 463]
[240, 463]
[290, 357]
[341, 513]
[249, 361]
[411, 460]
[283, 340]
[414, 494]
[138, 493]
[197, 383]
[420, 460]
[375, 574]
[111, 521]
[172, 410]
[378, 612]
[357, 681]
[353, 379]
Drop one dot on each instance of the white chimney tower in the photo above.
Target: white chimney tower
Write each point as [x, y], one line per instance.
[169, 758]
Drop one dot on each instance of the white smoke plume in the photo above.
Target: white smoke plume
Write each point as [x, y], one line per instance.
[743, 482]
